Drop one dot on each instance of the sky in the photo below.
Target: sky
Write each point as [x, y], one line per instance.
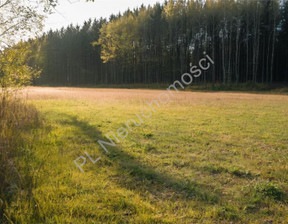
[77, 11]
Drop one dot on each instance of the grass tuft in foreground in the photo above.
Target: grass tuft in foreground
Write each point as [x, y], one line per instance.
[17, 122]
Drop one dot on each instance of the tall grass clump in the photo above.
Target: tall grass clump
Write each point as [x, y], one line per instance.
[17, 119]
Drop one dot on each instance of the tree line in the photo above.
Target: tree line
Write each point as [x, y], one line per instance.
[247, 39]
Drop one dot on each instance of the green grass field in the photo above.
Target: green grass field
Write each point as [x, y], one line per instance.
[202, 158]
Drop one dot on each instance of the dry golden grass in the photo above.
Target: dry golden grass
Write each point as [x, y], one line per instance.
[16, 118]
[119, 95]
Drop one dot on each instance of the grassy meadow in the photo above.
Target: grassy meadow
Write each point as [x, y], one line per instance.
[202, 158]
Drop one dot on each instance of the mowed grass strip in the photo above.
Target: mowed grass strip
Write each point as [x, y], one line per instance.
[202, 158]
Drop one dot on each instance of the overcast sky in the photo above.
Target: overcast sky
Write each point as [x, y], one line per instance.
[77, 11]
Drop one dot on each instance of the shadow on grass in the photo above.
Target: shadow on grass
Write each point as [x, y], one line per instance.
[139, 177]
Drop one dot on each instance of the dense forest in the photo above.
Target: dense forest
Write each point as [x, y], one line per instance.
[247, 39]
